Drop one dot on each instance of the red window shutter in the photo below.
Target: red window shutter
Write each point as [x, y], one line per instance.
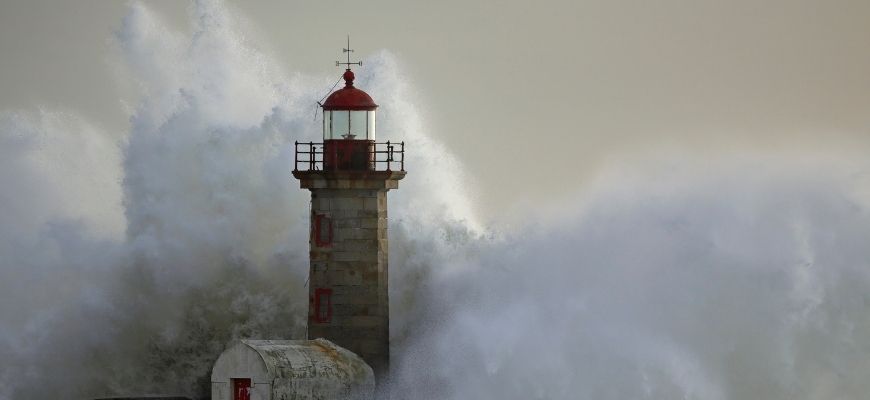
[322, 305]
[322, 230]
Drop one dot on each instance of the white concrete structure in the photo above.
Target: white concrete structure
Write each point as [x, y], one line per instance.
[290, 370]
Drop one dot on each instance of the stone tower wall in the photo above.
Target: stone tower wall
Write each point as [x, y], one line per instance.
[349, 258]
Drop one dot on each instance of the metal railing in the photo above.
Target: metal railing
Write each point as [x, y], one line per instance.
[383, 156]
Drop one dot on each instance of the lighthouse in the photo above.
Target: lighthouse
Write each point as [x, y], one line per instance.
[347, 354]
[349, 174]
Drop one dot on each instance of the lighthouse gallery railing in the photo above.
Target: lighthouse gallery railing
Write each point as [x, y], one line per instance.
[384, 156]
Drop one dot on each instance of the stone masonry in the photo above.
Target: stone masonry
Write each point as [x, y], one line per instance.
[348, 284]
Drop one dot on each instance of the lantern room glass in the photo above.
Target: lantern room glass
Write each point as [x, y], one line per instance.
[344, 124]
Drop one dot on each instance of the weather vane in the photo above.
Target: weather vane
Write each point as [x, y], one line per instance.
[348, 50]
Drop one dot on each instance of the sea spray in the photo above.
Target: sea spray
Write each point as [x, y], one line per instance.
[746, 281]
[208, 240]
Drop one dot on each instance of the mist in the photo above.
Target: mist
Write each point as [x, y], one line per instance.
[129, 260]
[736, 283]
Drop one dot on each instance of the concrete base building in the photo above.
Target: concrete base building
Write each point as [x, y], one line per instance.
[290, 370]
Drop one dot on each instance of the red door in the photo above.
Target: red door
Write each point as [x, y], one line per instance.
[241, 389]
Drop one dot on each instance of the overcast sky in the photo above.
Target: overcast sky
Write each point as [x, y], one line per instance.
[534, 97]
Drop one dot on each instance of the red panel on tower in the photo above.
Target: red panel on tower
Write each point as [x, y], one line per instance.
[322, 305]
[321, 229]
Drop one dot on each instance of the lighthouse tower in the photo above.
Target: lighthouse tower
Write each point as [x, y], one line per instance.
[349, 174]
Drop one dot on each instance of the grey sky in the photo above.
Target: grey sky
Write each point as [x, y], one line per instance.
[572, 85]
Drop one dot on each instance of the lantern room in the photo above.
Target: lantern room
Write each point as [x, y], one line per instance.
[349, 113]
[349, 133]
[348, 128]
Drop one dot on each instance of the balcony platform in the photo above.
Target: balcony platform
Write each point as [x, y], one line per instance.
[373, 180]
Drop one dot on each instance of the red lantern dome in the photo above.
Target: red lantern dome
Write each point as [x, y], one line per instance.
[349, 97]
